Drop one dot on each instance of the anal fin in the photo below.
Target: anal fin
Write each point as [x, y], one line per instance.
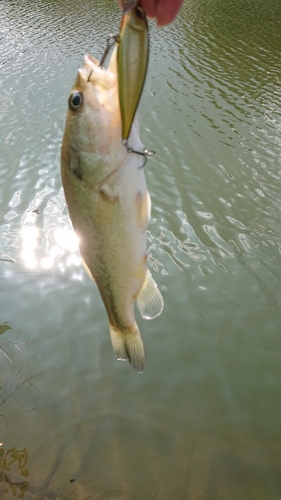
[149, 300]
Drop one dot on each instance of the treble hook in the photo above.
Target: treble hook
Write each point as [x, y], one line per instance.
[145, 153]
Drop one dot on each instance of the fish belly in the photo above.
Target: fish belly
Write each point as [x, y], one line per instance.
[110, 220]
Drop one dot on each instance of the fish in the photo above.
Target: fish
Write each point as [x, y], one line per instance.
[109, 205]
[132, 62]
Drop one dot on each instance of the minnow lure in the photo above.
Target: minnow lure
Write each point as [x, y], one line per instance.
[132, 62]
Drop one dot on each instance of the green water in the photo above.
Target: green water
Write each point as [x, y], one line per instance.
[203, 422]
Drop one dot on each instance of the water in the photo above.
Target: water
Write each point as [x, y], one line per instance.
[203, 421]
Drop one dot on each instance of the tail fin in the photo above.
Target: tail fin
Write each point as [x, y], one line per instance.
[128, 345]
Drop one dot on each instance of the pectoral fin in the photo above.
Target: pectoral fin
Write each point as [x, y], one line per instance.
[143, 204]
[150, 301]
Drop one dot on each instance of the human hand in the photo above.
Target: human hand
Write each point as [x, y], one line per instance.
[164, 11]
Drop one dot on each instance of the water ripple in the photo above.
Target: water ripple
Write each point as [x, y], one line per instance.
[222, 72]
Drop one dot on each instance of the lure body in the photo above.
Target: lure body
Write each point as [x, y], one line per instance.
[132, 62]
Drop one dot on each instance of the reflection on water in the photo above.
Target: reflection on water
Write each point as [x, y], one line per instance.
[11, 388]
[203, 421]
[13, 461]
[45, 237]
[6, 343]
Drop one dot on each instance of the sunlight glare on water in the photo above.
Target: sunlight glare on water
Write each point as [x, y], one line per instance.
[203, 421]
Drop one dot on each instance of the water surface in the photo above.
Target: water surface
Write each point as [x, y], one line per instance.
[203, 421]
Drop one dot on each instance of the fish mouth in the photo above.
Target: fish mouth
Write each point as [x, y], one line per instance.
[91, 64]
[93, 73]
[90, 61]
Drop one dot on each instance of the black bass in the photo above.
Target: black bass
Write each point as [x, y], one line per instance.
[132, 62]
[109, 205]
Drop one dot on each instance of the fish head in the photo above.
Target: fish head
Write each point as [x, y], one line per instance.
[93, 120]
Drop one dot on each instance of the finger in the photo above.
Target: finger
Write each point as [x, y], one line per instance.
[166, 11]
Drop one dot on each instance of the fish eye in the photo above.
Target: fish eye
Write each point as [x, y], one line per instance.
[140, 12]
[75, 100]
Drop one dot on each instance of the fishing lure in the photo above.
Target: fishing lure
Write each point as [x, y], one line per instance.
[132, 62]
